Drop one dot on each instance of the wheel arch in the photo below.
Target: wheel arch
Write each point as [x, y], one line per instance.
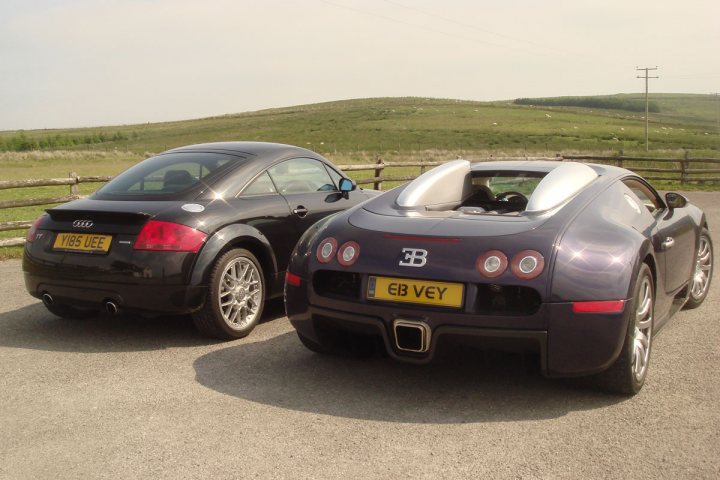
[235, 236]
[651, 263]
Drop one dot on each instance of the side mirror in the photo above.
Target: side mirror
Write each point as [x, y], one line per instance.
[347, 185]
[675, 200]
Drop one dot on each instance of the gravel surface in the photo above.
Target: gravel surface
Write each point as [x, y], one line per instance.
[126, 397]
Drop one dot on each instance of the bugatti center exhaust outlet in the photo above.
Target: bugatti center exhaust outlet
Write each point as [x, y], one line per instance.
[47, 299]
[411, 336]
[111, 307]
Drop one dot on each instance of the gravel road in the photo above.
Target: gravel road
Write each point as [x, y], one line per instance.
[125, 397]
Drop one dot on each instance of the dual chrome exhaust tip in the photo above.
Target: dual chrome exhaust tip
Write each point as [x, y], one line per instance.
[110, 306]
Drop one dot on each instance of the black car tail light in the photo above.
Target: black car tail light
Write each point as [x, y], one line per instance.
[32, 231]
[326, 250]
[492, 263]
[348, 253]
[527, 264]
[168, 236]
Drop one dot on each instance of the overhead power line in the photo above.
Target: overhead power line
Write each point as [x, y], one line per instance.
[410, 24]
[452, 34]
[479, 29]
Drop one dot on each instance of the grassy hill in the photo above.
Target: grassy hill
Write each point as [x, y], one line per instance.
[415, 124]
[356, 131]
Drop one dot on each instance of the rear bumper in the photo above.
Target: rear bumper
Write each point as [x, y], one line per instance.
[162, 299]
[568, 344]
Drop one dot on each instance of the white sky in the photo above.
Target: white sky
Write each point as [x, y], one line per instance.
[72, 63]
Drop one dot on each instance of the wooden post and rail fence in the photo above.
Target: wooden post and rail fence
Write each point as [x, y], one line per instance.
[682, 172]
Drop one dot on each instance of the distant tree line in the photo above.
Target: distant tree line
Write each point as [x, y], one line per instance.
[20, 142]
[613, 103]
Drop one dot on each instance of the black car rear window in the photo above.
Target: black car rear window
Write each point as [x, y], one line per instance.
[168, 175]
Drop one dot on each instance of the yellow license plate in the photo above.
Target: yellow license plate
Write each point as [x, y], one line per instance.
[82, 242]
[424, 292]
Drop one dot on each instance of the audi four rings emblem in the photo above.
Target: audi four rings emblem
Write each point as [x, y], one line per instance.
[83, 223]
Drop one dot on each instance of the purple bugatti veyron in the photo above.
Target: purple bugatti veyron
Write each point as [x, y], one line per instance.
[577, 263]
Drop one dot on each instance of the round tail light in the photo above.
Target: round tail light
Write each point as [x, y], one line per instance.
[326, 250]
[527, 264]
[348, 253]
[492, 263]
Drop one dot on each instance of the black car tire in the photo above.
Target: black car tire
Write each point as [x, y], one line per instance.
[70, 313]
[703, 258]
[248, 294]
[621, 377]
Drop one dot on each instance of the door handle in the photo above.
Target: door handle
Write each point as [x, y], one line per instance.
[300, 211]
[668, 243]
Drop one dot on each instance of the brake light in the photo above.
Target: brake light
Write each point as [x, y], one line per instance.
[326, 250]
[492, 263]
[348, 253]
[527, 264]
[168, 236]
[605, 306]
[32, 231]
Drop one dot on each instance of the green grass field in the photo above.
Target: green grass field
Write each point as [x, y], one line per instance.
[359, 131]
[417, 124]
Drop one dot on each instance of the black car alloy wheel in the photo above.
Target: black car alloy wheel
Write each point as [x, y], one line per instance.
[236, 296]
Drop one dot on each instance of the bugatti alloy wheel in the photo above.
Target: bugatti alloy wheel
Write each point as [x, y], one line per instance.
[702, 272]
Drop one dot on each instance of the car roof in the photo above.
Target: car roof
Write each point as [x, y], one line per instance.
[262, 150]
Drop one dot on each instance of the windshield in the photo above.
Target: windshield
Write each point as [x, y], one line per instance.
[168, 175]
[501, 192]
[499, 182]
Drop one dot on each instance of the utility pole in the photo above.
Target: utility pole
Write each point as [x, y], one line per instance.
[646, 77]
[717, 97]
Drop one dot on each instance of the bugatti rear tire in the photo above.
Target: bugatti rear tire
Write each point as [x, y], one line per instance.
[627, 375]
[702, 272]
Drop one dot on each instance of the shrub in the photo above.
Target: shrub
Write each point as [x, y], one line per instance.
[611, 103]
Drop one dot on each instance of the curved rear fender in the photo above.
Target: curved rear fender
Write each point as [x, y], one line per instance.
[299, 260]
[600, 253]
[231, 236]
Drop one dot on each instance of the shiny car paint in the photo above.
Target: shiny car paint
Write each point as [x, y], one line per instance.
[176, 282]
[574, 314]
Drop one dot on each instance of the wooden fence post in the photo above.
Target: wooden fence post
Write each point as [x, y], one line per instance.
[378, 172]
[683, 169]
[620, 160]
[74, 188]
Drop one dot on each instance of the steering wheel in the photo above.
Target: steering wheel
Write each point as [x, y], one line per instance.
[511, 196]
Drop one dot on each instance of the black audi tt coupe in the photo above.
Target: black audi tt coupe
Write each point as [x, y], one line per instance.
[204, 229]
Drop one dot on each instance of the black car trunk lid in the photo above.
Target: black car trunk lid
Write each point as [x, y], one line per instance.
[99, 216]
